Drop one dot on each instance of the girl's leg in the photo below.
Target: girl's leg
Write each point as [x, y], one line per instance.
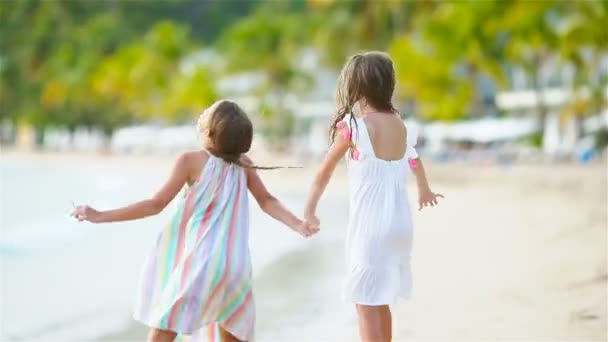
[226, 336]
[388, 323]
[159, 335]
[374, 323]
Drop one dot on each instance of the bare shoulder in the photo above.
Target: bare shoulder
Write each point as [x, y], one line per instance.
[246, 160]
[399, 123]
[192, 158]
[193, 162]
[385, 123]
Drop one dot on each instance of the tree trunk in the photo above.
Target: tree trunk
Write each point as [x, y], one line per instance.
[541, 107]
[578, 121]
[39, 137]
[197, 14]
[476, 106]
[281, 120]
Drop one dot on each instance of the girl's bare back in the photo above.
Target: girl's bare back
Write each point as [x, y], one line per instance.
[387, 134]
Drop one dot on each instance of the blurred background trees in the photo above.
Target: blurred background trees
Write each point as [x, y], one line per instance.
[106, 64]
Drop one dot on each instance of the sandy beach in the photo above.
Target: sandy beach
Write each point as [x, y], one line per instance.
[513, 253]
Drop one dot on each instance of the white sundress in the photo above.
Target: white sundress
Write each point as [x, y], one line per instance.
[379, 235]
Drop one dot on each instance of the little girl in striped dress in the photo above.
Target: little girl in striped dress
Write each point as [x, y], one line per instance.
[197, 278]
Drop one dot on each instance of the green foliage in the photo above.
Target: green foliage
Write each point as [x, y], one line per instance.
[438, 93]
[188, 94]
[483, 37]
[98, 63]
[584, 32]
[275, 131]
[269, 43]
[108, 63]
[535, 140]
[601, 139]
[343, 28]
[143, 78]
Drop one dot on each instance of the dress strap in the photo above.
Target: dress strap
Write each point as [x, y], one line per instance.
[363, 141]
[412, 139]
[353, 129]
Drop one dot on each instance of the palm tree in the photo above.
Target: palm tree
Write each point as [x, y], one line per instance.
[270, 43]
[144, 80]
[583, 42]
[343, 28]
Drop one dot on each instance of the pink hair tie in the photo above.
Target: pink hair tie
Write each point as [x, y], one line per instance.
[356, 155]
[346, 133]
[412, 163]
[341, 124]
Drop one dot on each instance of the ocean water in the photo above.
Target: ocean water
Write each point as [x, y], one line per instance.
[67, 280]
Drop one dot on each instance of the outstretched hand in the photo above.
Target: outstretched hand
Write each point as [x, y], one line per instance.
[426, 198]
[86, 213]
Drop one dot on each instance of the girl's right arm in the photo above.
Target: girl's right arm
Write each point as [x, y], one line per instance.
[152, 206]
[336, 152]
[271, 205]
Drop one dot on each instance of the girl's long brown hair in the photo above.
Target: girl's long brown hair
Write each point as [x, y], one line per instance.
[369, 75]
[230, 133]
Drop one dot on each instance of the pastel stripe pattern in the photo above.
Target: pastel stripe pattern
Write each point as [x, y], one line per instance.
[198, 274]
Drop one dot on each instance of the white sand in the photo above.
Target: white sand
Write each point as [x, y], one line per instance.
[517, 254]
[511, 254]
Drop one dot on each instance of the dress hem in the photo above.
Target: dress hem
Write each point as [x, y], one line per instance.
[183, 332]
[406, 296]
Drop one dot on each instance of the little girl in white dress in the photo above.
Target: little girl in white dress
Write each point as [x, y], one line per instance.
[379, 236]
[380, 154]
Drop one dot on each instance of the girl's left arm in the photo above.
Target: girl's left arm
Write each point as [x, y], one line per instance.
[426, 196]
[271, 205]
[145, 208]
[335, 153]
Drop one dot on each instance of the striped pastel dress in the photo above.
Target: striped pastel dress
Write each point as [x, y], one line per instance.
[198, 275]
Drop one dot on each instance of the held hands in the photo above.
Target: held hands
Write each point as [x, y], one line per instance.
[86, 213]
[308, 227]
[312, 222]
[427, 197]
